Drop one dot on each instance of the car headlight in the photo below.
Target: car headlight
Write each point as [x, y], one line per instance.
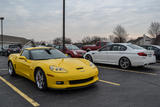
[75, 52]
[92, 65]
[57, 69]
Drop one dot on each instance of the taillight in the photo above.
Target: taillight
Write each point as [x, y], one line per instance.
[142, 54]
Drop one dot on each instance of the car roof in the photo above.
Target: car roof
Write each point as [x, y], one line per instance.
[120, 44]
[32, 48]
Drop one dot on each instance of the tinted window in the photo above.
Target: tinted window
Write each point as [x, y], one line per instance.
[42, 54]
[103, 43]
[57, 47]
[26, 54]
[135, 47]
[106, 48]
[72, 47]
[155, 48]
[118, 48]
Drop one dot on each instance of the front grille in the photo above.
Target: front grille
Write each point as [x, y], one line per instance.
[80, 81]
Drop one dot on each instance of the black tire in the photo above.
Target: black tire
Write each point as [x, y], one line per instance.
[11, 69]
[124, 63]
[40, 80]
[89, 57]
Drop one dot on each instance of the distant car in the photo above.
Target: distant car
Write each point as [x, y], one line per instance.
[155, 48]
[48, 67]
[9, 49]
[71, 50]
[122, 54]
[98, 45]
[0, 50]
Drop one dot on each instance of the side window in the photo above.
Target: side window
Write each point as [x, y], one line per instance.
[57, 47]
[61, 47]
[118, 48]
[115, 48]
[155, 49]
[106, 48]
[149, 48]
[26, 54]
[122, 48]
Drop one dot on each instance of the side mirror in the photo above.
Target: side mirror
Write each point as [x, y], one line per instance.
[23, 58]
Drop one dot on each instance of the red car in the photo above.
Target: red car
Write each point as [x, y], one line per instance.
[71, 50]
[98, 45]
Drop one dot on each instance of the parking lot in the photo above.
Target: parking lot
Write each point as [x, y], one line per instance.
[136, 87]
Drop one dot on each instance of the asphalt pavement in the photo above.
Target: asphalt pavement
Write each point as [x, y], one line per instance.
[136, 87]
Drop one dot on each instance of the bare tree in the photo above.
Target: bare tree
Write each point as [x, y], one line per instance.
[154, 29]
[58, 40]
[120, 33]
[92, 40]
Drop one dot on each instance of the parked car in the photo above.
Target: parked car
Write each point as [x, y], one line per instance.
[155, 48]
[71, 50]
[98, 45]
[9, 49]
[48, 67]
[122, 54]
[0, 50]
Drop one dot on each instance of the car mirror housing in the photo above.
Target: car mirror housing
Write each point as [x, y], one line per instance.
[23, 58]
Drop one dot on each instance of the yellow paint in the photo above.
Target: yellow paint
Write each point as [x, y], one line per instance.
[108, 82]
[129, 71]
[34, 103]
[67, 73]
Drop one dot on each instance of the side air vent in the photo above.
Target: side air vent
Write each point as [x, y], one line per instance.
[79, 68]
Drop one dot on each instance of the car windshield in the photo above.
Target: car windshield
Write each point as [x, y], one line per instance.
[43, 54]
[72, 47]
[135, 47]
[158, 46]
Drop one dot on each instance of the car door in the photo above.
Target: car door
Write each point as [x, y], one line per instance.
[24, 66]
[101, 56]
[117, 51]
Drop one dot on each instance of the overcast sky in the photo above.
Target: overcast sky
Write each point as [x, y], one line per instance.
[42, 19]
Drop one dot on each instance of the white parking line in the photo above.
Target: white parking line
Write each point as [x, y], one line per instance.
[138, 72]
[108, 82]
[31, 101]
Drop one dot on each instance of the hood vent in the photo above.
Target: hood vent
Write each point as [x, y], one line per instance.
[79, 68]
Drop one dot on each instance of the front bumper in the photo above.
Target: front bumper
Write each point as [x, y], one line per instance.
[67, 84]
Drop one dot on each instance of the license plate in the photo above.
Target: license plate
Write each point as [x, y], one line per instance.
[149, 55]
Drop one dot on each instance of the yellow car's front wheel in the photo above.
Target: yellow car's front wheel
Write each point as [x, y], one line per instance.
[40, 79]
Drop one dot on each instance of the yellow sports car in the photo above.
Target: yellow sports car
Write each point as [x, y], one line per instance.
[48, 67]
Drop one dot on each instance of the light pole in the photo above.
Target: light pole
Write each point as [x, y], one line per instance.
[2, 18]
[63, 25]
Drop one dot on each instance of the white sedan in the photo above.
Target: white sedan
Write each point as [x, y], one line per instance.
[122, 54]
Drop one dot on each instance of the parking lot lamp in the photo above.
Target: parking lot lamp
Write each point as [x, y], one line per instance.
[63, 25]
[2, 18]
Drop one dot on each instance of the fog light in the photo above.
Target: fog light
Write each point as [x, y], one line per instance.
[59, 82]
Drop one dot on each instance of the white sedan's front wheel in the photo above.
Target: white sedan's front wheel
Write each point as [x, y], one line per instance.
[124, 63]
[89, 57]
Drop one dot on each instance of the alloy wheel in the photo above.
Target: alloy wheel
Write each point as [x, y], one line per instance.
[124, 63]
[40, 80]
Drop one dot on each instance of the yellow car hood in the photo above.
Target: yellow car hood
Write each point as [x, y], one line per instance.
[67, 62]
[72, 65]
